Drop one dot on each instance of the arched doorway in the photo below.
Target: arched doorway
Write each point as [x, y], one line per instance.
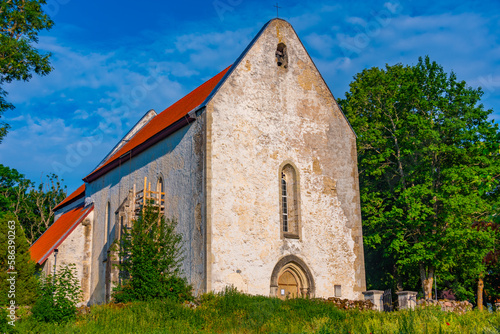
[291, 278]
[288, 285]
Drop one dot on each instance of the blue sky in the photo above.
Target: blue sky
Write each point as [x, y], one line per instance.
[115, 60]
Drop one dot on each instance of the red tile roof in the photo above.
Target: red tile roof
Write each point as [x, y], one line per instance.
[57, 233]
[78, 193]
[166, 118]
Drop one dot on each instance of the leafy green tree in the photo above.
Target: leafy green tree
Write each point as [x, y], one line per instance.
[32, 206]
[428, 167]
[490, 262]
[151, 255]
[15, 258]
[20, 23]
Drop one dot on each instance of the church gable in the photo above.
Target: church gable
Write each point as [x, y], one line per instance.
[274, 58]
[281, 174]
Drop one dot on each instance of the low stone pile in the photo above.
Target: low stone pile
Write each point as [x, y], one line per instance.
[346, 304]
[447, 305]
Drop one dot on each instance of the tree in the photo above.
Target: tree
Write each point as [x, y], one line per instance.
[428, 167]
[20, 23]
[151, 256]
[15, 258]
[32, 206]
[43, 200]
[490, 261]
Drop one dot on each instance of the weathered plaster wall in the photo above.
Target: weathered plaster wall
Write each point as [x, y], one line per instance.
[179, 161]
[262, 116]
[76, 249]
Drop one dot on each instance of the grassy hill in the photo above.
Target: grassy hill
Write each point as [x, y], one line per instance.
[233, 312]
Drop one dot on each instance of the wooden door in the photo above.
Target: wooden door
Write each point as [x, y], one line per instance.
[288, 287]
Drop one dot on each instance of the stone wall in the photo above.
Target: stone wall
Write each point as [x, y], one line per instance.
[263, 116]
[346, 304]
[179, 160]
[447, 305]
[75, 249]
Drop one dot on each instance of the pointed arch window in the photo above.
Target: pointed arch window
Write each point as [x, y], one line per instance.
[289, 202]
[284, 204]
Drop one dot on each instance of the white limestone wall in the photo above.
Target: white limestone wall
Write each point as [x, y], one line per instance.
[261, 117]
[75, 249]
[178, 159]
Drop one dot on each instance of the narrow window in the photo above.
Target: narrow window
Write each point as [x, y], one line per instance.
[106, 225]
[108, 228]
[160, 190]
[289, 202]
[120, 227]
[284, 203]
[160, 196]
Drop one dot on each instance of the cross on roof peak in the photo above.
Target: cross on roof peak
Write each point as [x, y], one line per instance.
[277, 9]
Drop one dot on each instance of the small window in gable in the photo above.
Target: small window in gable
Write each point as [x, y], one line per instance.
[289, 202]
[282, 55]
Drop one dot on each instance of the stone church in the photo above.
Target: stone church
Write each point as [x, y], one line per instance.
[258, 165]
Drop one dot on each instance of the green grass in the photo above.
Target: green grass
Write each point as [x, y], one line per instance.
[237, 313]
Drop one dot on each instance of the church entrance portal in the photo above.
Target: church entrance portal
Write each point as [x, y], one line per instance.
[291, 278]
[288, 285]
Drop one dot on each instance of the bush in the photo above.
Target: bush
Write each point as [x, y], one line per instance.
[5, 327]
[151, 256]
[59, 295]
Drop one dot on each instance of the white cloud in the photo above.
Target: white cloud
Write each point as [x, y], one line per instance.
[356, 20]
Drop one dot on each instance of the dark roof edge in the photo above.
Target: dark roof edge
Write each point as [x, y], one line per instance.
[185, 120]
[73, 200]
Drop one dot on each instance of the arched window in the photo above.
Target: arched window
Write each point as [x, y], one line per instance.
[289, 204]
[284, 204]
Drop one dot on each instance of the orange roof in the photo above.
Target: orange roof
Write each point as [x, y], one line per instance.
[166, 118]
[57, 233]
[80, 192]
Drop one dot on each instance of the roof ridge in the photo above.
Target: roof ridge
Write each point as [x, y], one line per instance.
[171, 117]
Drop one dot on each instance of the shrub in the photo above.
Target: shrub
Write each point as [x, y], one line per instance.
[5, 327]
[59, 295]
[151, 258]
